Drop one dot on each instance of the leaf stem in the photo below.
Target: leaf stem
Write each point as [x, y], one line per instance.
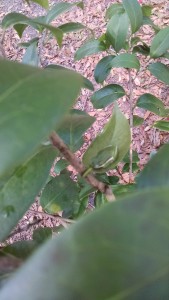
[80, 168]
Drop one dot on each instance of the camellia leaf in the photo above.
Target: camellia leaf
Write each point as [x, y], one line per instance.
[147, 10]
[117, 30]
[89, 48]
[21, 249]
[19, 192]
[60, 8]
[151, 103]
[160, 71]
[125, 60]
[162, 125]
[157, 165]
[121, 238]
[107, 95]
[43, 3]
[61, 193]
[134, 12]
[71, 27]
[115, 133]
[28, 96]
[103, 68]
[137, 121]
[160, 43]
[73, 126]
[31, 56]
[113, 9]
[86, 83]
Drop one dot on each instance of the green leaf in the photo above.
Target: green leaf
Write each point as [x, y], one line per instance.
[117, 30]
[162, 125]
[87, 84]
[134, 12]
[156, 172]
[107, 95]
[89, 48]
[71, 27]
[160, 71]
[61, 193]
[121, 238]
[148, 21]
[61, 165]
[116, 133]
[151, 103]
[160, 43]
[60, 8]
[27, 98]
[20, 249]
[135, 159]
[121, 190]
[73, 126]
[42, 234]
[103, 68]
[114, 9]
[137, 121]
[125, 60]
[43, 3]
[147, 10]
[100, 200]
[19, 192]
[20, 28]
[143, 49]
[31, 56]
[126, 167]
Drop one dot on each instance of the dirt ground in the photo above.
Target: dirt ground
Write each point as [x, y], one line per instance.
[145, 138]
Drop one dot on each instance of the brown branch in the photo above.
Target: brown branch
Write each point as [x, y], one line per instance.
[79, 167]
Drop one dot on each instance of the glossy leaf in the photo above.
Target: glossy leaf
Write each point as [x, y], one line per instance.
[134, 12]
[107, 95]
[31, 56]
[117, 30]
[71, 27]
[73, 126]
[125, 60]
[147, 10]
[121, 238]
[87, 84]
[151, 103]
[58, 9]
[27, 98]
[162, 125]
[103, 68]
[156, 172]
[160, 71]
[160, 43]
[43, 3]
[116, 133]
[19, 192]
[113, 9]
[61, 193]
[137, 121]
[89, 48]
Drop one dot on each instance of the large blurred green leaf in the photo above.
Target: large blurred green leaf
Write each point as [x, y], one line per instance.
[113, 9]
[156, 172]
[31, 56]
[125, 60]
[118, 252]
[87, 84]
[134, 12]
[151, 103]
[73, 126]
[117, 30]
[58, 9]
[116, 133]
[61, 193]
[160, 43]
[32, 104]
[19, 192]
[160, 71]
[89, 48]
[162, 125]
[103, 68]
[107, 95]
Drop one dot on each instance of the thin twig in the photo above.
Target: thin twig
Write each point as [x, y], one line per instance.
[54, 217]
[79, 167]
[131, 124]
